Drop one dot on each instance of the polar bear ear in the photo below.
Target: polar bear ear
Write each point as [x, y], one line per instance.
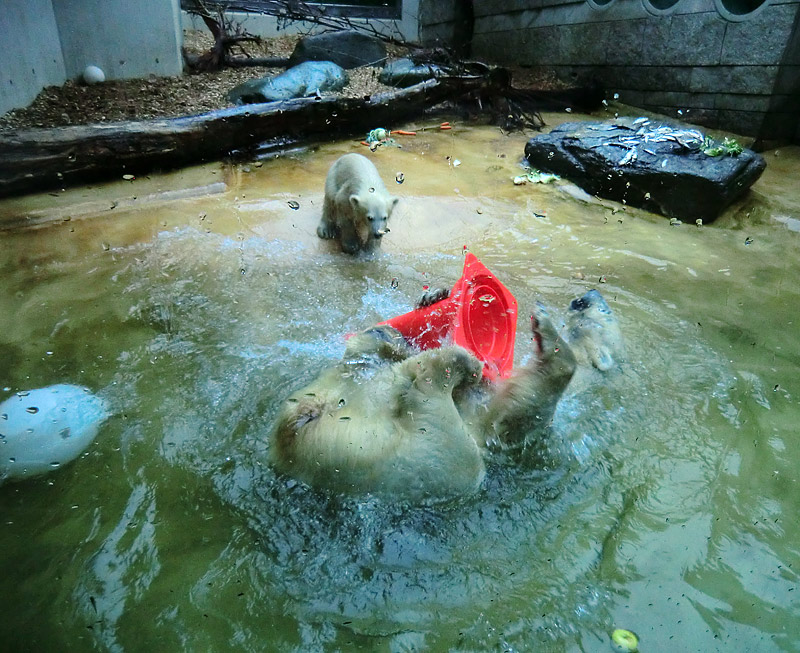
[355, 201]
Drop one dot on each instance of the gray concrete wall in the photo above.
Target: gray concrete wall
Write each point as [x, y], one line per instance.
[126, 39]
[27, 66]
[695, 60]
[46, 42]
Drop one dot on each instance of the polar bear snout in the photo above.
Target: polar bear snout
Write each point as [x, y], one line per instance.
[378, 226]
[592, 299]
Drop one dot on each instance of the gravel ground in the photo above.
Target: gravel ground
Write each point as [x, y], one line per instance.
[75, 103]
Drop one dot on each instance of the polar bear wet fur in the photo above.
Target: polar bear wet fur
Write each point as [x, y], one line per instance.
[413, 425]
[357, 205]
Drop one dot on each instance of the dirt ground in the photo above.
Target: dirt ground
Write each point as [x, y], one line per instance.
[76, 103]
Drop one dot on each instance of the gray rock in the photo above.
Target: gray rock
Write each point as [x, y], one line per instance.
[303, 80]
[654, 165]
[348, 48]
[404, 72]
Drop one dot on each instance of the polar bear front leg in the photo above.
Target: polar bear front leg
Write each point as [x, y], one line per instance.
[327, 228]
[349, 239]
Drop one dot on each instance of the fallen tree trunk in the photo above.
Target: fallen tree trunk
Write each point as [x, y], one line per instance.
[38, 159]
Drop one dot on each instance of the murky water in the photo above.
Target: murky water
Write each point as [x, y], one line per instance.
[195, 302]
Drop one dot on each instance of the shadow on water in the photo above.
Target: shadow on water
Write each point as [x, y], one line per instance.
[664, 506]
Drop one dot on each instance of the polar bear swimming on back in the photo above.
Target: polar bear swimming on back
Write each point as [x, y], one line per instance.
[391, 420]
[357, 205]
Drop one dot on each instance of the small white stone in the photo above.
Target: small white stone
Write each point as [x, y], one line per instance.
[93, 75]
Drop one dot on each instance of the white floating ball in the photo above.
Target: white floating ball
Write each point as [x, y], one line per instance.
[43, 429]
[93, 75]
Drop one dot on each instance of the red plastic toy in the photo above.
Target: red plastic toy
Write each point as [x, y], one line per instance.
[480, 315]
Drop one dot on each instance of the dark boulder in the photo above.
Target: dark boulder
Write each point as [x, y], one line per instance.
[404, 72]
[304, 80]
[664, 168]
[348, 48]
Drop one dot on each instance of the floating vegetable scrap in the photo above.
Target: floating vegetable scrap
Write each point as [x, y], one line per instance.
[535, 177]
[377, 135]
[382, 136]
[624, 641]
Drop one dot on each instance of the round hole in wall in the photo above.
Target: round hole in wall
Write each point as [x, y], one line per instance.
[739, 9]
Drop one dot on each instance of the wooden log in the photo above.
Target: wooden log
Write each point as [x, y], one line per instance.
[37, 159]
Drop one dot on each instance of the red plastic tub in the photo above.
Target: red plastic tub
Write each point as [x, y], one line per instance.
[480, 315]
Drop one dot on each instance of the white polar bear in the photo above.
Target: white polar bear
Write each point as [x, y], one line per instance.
[357, 205]
[391, 420]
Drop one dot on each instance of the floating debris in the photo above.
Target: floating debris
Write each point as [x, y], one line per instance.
[624, 641]
[399, 177]
[293, 205]
[377, 135]
[534, 176]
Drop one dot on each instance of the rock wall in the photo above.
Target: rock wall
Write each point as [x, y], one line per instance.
[728, 64]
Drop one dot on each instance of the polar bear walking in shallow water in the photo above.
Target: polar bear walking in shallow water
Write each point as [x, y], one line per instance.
[357, 205]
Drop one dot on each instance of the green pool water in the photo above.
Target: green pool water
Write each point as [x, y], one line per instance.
[194, 302]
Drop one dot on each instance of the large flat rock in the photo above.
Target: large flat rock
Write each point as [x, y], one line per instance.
[348, 48]
[651, 164]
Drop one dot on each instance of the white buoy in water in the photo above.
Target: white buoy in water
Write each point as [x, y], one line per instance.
[93, 75]
[43, 429]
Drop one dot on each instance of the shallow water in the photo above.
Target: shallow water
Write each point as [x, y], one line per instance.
[194, 302]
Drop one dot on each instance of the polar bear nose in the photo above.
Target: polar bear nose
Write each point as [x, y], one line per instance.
[580, 304]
